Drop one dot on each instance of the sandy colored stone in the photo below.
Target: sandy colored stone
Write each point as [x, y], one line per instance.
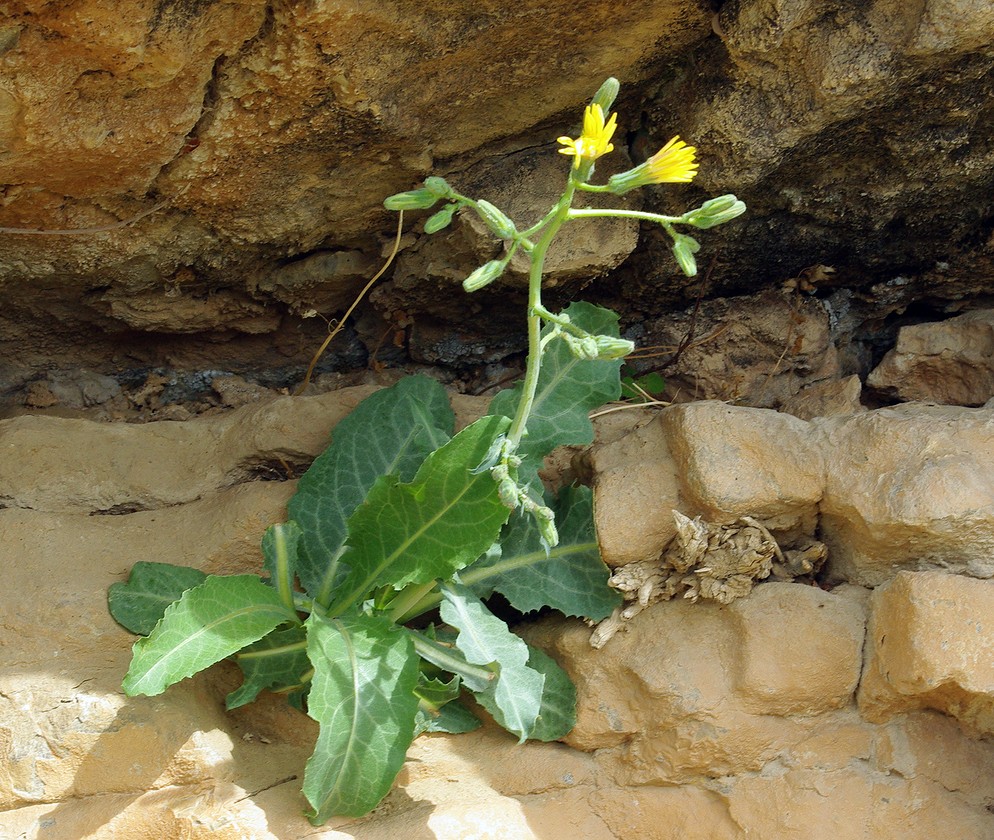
[736, 462]
[931, 646]
[662, 813]
[851, 803]
[949, 362]
[800, 649]
[636, 488]
[824, 399]
[908, 487]
[678, 695]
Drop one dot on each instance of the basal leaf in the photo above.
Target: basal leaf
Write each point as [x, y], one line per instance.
[151, 587]
[210, 622]
[557, 714]
[428, 529]
[515, 697]
[568, 390]
[390, 432]
[276, 661]
[571, 577]
[362, 695]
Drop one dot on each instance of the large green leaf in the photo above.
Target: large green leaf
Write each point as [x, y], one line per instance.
[515, 697]
[428, 529]
[362, 695]
[210, 622]
[568, 390]
[557, 714]
[276, 661]
[390, 432]
[571, 577]
[139, 604]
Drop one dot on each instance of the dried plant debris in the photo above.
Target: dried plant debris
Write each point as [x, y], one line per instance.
[715, 562]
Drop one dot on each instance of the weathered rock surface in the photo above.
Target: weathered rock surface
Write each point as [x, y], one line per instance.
[949, 362]
[693, 721]
[930, 645]
[225, 166]
[908, 487]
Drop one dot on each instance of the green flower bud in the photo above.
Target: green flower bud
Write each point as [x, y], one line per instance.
[609, 347]
[508, 493]
[483, 276]
[546, 521]
[606, 94]
[684, 248]
[438, 186]
[441, 219]
[584, 348]
[411, 200]
[716, 211]
[496, 220]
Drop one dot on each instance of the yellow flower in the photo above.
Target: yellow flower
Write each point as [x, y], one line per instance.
[595, 139]
[673, 164]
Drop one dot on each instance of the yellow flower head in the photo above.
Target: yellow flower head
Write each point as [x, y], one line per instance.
[595, 139]
[672, 164]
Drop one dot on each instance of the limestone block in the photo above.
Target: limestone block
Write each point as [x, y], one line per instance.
[800, 649]
[908, 487]
[735, 462]
[931, 646]
[825, 399]
[84, 466]
[949, 362]
[636, 488]
[851, 803]
[690, 689]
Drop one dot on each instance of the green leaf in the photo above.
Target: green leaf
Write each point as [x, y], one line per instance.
[390, 432]
[557, 715]
[362, 695]
[515, 697]
[139, 604]
[279, 558]
[276, 661]
[210, 622]
[571, 577]
[568, 390]
[428, 529]
[438, 710]
[453, 718]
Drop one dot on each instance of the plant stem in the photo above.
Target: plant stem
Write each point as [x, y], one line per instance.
[592, 213]
[556, 218]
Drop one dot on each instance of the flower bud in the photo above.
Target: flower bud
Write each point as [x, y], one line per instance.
[496, 220]
[441, 219]
[411, 200]
[438, 186]
[508, 493]
[546, 521]
[684, 248]
[584, 348]
[609, 347]
[606, 94]
[483, 276]
[716, 211]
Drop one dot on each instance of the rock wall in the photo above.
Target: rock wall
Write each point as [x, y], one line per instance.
[860, 708]
[229, 159]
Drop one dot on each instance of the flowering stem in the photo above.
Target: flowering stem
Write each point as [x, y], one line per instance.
[592, 213]
[553, 221]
